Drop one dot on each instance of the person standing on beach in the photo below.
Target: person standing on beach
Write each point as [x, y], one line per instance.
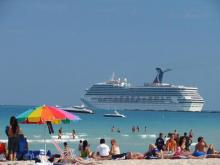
[74, 134]
[60, 133]
[160, 142]
[13, 133]
[145, 129]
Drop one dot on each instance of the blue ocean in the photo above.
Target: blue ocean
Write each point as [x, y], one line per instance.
[92, 127]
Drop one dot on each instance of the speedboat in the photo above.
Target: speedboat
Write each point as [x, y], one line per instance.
[115, 114]
[77, 109]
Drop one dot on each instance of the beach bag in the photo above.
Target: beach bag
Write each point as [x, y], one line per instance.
[2, 148]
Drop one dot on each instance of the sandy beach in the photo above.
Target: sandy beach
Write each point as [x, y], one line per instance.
[210, 161]
[164, 162]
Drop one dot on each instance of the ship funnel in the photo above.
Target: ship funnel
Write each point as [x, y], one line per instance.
[159, 77]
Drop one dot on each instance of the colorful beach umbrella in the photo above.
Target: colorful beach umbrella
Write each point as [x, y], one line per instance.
[45, 113]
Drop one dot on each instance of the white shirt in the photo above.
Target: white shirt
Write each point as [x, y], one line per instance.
[103, 150]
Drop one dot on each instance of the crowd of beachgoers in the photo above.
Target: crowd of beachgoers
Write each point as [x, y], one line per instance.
[173, 146]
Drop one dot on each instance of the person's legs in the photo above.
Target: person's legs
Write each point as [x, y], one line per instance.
[14, 156]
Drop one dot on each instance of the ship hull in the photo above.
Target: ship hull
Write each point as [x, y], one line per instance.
[192, 107]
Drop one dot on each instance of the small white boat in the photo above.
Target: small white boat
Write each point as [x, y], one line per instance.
[115, 114]
[77, 109]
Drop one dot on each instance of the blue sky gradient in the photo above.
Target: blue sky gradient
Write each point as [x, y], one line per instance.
[52, 50]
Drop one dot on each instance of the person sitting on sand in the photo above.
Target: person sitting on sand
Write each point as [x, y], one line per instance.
[182, 144]
[69, 158]
[212, 153]
[103, 149]
[114, 148]
[188, 142]
[153, 153]
[171, 144]
[115, 151]
[200, 148]
[85, 152]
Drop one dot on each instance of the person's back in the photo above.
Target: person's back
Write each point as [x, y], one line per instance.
[13, 133]
[115, 150]
[85, 152]
[103, 149]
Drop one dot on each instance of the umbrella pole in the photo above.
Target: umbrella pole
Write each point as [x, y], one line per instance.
[44, 140]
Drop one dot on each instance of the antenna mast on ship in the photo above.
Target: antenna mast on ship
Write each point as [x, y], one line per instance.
[113, 76]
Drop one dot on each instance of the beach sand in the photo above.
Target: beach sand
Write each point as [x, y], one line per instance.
[210, 161]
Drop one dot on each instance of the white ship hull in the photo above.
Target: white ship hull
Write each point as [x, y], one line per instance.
[192, 107]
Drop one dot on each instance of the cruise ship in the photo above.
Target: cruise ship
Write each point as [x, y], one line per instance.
[117, 94]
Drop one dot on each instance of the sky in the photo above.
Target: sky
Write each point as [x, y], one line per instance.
[52, 50]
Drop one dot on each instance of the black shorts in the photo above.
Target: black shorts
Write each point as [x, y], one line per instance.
[119, 156]
[13, 144]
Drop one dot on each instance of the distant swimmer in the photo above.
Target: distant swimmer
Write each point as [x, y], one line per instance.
[133, 129]
[113, 128]
[138, 129]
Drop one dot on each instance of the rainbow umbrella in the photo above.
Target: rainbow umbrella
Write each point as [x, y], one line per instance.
[43, 114]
